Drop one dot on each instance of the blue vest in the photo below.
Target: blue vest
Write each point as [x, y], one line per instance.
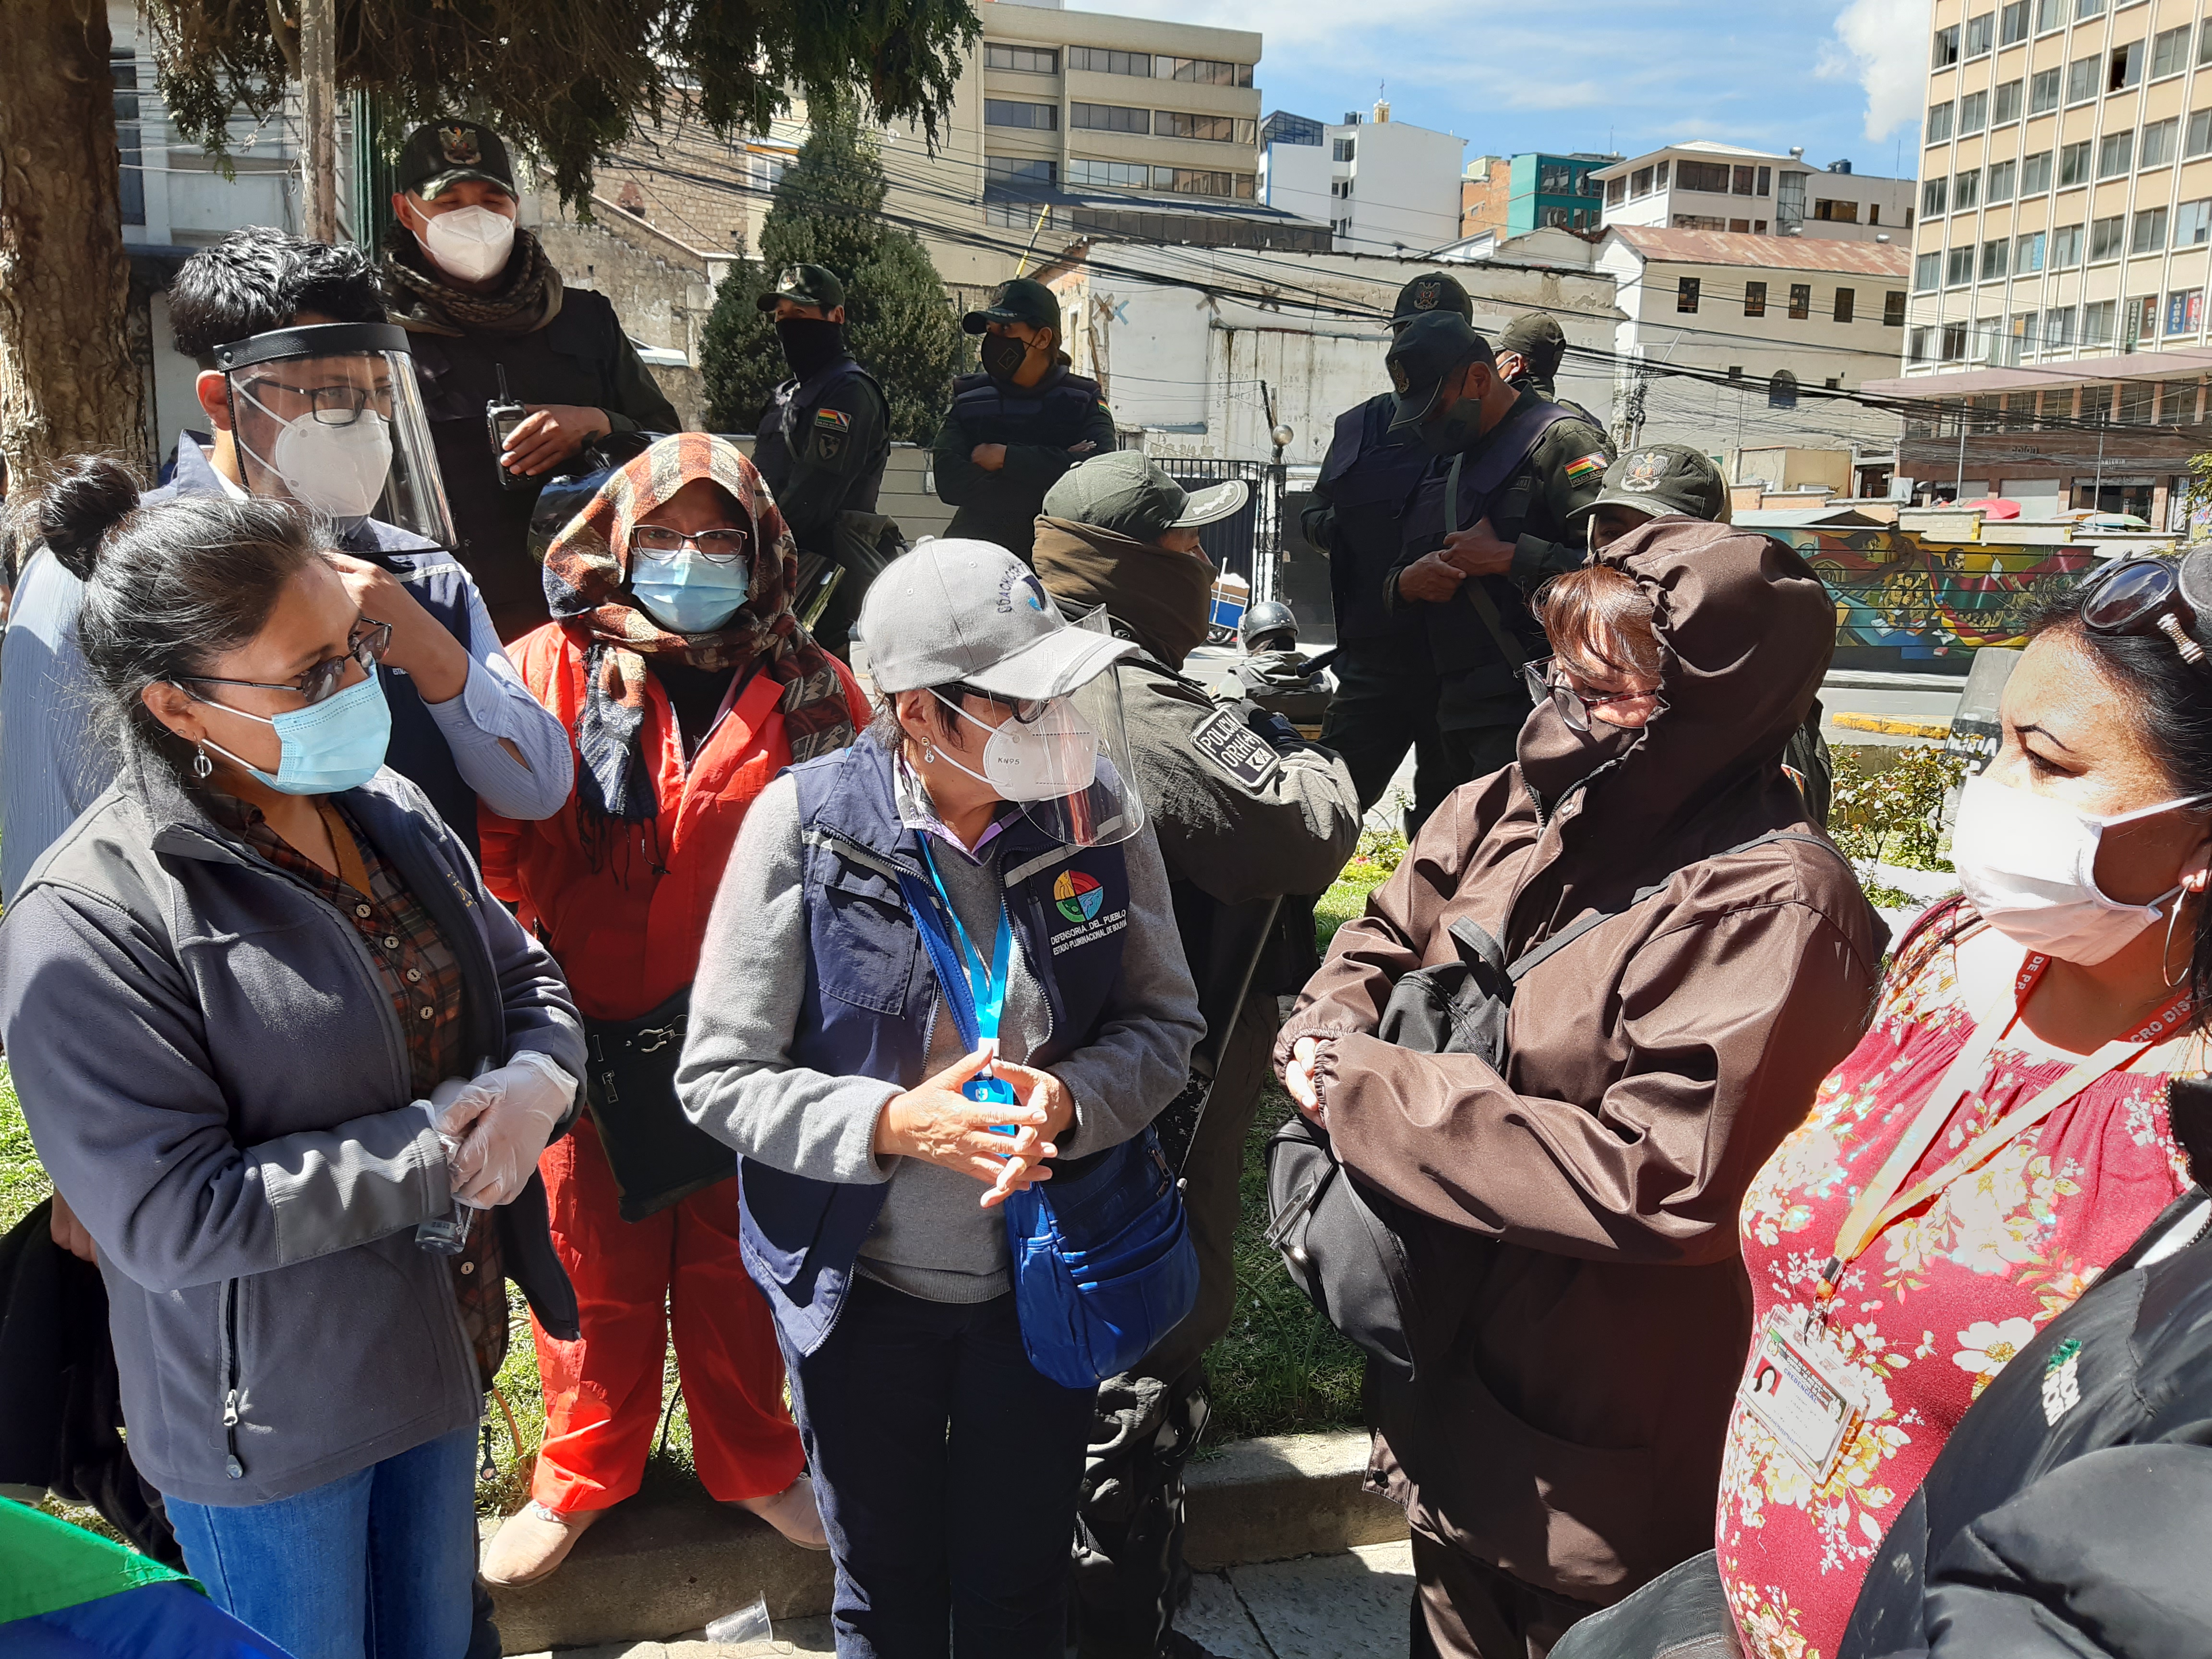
[1368, 477]
[871, 1000]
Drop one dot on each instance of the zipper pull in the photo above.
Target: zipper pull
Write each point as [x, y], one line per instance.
[230, 1409]
[488, 1470]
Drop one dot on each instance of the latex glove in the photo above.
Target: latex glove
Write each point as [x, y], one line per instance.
[523, 1100]
[453, 1105]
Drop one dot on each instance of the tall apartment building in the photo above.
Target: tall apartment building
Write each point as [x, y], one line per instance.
[1703, 185]
[1485, 195]
[1561, 191]
[1381, 186]
[2057, 327]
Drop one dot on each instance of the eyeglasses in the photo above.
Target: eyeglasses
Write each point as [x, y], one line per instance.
[653, 541]
[1546, 680]
[331, 405]
[1023, 711]
[367, 645]
[2146, 596]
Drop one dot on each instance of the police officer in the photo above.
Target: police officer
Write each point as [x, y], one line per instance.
[1386, 692]
[1015, 427]
[1492, 519]
[823, 440]
[1528, 350]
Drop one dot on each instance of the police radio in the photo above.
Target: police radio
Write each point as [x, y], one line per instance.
[502, 416]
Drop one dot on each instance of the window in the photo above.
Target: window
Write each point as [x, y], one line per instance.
[1800, 301]
[1005, 169]
[2011, 24]
[2137, 397]
[1958, 267]
[1927, 273]
[1034, 60]
[1181, 123]
[2115, 152]
[1097, 60]
[1699, 222]
[2004, 103]
[2058, 329]
[1782, 390]
[1640, 182]
[2204, 44]
[2035, 173]
[2198, 139]
[1754, 298]
[2127, 67]
[1739, 180]
[1710, 176]
[2043, 91]
[1022, 215]
[2192, 223]
[1939, 124]
[1198, 181]
[1973, 113]
[1846, 303]
[1955, 341]
[2049, 15]
[2089, 8]
[2066, 247]
[2105, 238]
[122, 69]
[1109, 118]
[1981, 35]
[1110, 175]
[1616, 191]
[1659, 181]
[1766, 182]
[1933, 194]
[2150, 231]
[2074, 165]
[2081, 79]
[1343, 150]
[1995, 255]
[1205, 71]
[1340, 187]
[1000, 112]
[1966, 189]
[1686, 293]
[1999, 182]
[1947, 48]
[2184, 315]
[2169, 52]
[1837, 212]
[2159, 139]
[2176, 400]
[2027, 253]
[2020, 338]
[1893, 308]
[1873, 213]
[1917, 344]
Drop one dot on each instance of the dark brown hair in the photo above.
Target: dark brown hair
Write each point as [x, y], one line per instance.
[1590, 613]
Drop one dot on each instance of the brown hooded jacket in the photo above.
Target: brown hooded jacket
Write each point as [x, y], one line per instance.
[1567, 1425]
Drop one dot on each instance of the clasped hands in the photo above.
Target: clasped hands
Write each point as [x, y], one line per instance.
[493, 1127]
[1476, 551]
[934, 1121]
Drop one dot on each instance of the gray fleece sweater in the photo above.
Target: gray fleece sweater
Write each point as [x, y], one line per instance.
[933, 1239]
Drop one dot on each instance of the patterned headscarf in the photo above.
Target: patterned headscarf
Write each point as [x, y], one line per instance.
[585, 568]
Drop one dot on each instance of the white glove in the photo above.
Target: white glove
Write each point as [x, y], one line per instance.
[508, 1116]
[452, 1107]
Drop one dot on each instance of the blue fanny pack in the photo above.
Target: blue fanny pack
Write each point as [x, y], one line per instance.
[1103, 1263]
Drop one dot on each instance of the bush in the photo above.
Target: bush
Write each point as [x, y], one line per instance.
[1894, 816]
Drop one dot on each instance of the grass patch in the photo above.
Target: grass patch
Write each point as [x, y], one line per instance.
[1372, 863]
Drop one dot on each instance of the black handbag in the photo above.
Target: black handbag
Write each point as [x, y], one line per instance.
[658, 1155]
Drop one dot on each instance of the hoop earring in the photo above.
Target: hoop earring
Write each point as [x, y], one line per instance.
[202, 766]
[2167, 956]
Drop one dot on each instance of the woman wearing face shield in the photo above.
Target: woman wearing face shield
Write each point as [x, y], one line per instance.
[675, 664]
[993, 792]
[268, 1028]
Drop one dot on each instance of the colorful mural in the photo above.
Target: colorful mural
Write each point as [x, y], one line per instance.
[1895, 592]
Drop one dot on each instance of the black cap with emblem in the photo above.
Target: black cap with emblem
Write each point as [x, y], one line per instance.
[1433, 292]
[806, 285]
[1429, 348]
[1018, 300]
[445, 152]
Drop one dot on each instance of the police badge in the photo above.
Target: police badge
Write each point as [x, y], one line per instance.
[460, 146]
[1426, 293]
[1646, 468]
[1398, 376]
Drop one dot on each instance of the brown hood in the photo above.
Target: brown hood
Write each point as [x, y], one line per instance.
[1162, 597]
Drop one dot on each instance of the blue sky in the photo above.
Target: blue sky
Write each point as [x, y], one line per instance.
[1841, 77]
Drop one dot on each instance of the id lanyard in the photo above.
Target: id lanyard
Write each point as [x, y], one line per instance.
[989, 995]
[1882, 1203]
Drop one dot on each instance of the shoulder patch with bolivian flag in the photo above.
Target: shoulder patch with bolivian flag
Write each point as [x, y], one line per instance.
[835, 419]
[1584, 466]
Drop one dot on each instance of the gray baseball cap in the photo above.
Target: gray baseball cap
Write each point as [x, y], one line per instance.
[1122, 490]
[1662, 478]
[970, 612]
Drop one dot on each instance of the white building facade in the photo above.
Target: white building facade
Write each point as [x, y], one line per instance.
[1703, 185]
[1381, 186]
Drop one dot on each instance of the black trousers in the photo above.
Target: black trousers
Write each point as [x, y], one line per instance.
[1385, 704]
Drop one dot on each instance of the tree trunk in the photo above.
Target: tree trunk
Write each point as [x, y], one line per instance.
[67, 381]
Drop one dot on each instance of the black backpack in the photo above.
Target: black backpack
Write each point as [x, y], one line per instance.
[1376, 1269]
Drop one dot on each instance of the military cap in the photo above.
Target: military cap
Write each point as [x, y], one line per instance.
[1433, 292]
[1021, 300]
[1537, 339]
[1122, 490]
[1658, 478]
[445, 152]
[806, 285]
[1428, 349]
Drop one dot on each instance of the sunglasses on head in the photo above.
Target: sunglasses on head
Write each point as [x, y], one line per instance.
[2161, 596]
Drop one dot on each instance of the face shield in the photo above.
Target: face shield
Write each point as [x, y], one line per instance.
[1064, 761]
[330, 416]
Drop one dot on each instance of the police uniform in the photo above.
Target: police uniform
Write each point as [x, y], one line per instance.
[1046, 428]
[1538, 340]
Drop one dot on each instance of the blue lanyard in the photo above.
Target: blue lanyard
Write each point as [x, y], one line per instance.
[990, 998]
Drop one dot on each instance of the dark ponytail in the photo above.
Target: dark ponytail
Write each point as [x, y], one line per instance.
[169, 589]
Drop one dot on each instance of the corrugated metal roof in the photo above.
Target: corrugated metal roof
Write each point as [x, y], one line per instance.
[1731, 247]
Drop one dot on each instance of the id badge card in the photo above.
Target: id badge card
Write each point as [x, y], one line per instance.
[1801, 1388]
[992, 1089]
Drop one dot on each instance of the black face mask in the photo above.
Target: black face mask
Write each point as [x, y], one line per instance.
[1003, 355]
[810, 343]
[1461, 426]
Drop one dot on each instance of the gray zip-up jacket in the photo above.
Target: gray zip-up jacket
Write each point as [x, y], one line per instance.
[219, 1084]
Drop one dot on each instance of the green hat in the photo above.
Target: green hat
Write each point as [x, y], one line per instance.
[1123, 491]
[445, 152]
[1023, 299]
[1433, 292]
[1661, 479]
[1429, 348]
[1537, 339]
[806, 285]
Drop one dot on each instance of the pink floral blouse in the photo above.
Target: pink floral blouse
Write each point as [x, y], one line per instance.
[1938, 1302]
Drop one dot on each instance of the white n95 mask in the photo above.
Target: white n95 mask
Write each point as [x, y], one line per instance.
[1051, 757]
[471, 243]
[2027, 865]
[337, 469]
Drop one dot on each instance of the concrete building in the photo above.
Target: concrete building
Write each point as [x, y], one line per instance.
[1703, 185]
[1559, 192]
[1486, 192]
[1727, 339]
[1381, 186]
[2056, 323]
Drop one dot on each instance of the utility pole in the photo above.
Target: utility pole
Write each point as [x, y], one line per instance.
[319, 77]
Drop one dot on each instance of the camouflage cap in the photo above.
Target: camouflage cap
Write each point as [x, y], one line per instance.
[1433, 292]
[1537, 339]
[806, 285]
[444, 153]
[1659, 478]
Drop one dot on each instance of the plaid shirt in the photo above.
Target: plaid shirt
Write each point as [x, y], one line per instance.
[423, 977]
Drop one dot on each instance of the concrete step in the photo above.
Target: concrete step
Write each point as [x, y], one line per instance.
[670, 1560]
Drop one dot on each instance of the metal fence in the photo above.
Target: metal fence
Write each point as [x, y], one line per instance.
[1249, 540]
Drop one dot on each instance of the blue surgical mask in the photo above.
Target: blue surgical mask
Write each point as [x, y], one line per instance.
[688, 593]
[327, 747]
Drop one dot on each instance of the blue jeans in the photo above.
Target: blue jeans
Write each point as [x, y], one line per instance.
[947, 1467]
[375, 1564]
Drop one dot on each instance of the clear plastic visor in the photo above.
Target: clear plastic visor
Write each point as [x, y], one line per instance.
[345, 436]
[1064, 761]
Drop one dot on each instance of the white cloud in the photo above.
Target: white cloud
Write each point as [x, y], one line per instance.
[1883, 45]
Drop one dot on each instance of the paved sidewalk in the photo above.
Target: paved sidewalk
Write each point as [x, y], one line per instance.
[1323, 1607]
